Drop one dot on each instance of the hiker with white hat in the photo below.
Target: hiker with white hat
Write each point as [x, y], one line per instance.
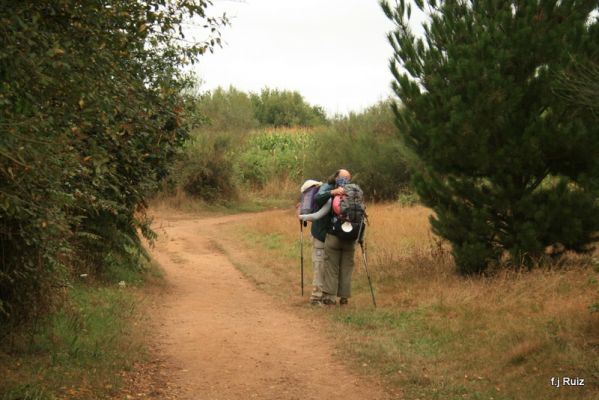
[342, 220]
[339, 252]
[316, 212]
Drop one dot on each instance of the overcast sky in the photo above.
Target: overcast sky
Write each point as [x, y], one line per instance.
[334, 52]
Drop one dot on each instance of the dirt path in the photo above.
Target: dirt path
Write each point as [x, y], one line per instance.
[225, 339]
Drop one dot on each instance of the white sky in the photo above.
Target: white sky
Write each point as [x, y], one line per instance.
[334, 52]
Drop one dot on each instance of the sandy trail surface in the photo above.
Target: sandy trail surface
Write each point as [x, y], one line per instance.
[223, 338]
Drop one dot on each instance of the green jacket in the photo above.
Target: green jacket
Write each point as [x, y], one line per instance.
[321, 226]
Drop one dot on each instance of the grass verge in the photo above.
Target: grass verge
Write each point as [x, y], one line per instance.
[84, 350]
[436, 335]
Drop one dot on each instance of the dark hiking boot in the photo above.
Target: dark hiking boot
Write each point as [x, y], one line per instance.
[343, 301]
[329, 302]
[316, 302]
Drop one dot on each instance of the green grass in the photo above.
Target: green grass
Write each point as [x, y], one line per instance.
[428, 356]
[78, 351]
[405, 346]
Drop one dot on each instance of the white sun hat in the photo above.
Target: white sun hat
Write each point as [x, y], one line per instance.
[309, 183]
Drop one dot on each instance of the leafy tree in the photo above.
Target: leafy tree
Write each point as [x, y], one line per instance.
[228, 110]
[378, 119]
[90, 118]
[286, 108]
[366, 143]
[505, 163]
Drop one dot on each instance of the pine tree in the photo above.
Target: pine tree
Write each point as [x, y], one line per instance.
[505, 162]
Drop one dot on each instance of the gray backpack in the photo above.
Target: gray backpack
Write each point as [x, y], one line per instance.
[350, 224]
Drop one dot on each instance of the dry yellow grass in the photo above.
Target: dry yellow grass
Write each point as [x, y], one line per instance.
[437, 334]
[277, 188]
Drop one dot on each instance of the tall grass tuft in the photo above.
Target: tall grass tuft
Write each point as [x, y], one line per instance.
[79, 351]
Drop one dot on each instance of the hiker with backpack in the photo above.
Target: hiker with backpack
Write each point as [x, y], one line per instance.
[345, 226]
[316, 212]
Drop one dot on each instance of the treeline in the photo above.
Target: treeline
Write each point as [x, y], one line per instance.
[232, 110]
[271, 141]
[91, 117]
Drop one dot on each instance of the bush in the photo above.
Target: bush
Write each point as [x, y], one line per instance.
[206, 169]
[286, 108]
[91, 117]
[367, 146]
[226, 111]
[365, 143]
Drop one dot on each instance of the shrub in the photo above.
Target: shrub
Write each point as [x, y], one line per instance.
[228, 110]
[206, 169]
[286, 108]
[91, 119]
[365, 144]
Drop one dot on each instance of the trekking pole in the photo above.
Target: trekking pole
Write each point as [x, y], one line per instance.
[367, 274]
[302, 254]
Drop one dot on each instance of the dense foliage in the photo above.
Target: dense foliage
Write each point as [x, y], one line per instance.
[286, 108]
[506, 162]
[90, 118]
[234, 147]
[579, 85]
[205, 169]
[228, 110]
[366, 144]
[232, 153]
[272, 155]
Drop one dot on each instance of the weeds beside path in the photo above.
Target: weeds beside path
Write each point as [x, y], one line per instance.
[84, 350]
